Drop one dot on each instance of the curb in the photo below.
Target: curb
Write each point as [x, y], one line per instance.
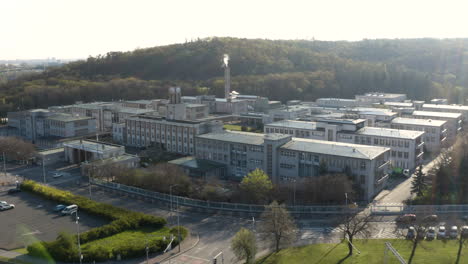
[181, 252]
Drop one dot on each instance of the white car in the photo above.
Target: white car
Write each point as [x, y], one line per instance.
[431, 233]
[3, 202]
[4, 207]
[57, 174]
[453, 232]
[442, 232]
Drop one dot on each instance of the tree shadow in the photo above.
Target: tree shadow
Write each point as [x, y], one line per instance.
[343, 259]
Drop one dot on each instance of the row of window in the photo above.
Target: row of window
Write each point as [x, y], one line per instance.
[381, 141]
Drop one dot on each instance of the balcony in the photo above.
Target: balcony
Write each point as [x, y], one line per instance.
[381, 180]
[383, 165]
[419, 155]
[420, 145]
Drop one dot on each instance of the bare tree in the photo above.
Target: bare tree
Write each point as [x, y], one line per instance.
[16, 149]
[352, 224]
[419, 227]
[277, 225]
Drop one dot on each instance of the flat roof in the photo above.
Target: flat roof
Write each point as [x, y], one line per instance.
[197, 164]
[448, 107]
[139, 101]
[335, 148]
[437, 114]
[374, 111]
[294, 124]
[381, 95]
[195, 105]
[418, 122]
[91, 146]
[135, 111]
[336, 99]
[389, 132]
[122, 157]
[68, 117]
[50, 151]
[400, 104]
[242, 137]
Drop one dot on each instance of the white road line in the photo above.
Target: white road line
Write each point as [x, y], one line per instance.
[380, 232]
[32, 233]
[196, 257]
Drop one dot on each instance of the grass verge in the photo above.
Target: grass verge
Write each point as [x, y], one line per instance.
[372, 251]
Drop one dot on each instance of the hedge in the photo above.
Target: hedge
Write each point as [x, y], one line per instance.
[122, 220]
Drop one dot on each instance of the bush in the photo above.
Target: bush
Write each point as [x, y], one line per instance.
[63, 248]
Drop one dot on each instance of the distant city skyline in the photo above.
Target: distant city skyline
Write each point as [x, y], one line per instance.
[71, 30]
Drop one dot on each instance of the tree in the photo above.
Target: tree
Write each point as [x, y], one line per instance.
[355, 224]
[418, 185]
[277, 225]
[257, 186]
[244, 245]
[16, 149]
[461, 241]
[323, 168]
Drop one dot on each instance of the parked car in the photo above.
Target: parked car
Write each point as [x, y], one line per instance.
[431, 218]
[411, 233]
[431, 233]
[453, 232]
[442, 232]
[4, 207]
[407, 173]
[57, 174]
[14, 190]
[70, 209]
[464, 231]
[3, 202]
[407, 218]
[59, 207]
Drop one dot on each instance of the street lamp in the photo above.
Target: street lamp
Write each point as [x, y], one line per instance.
[178, 223]
[80, 256]
[43, 169]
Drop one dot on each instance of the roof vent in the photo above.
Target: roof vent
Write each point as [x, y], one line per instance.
[354, 150]
[430, 120]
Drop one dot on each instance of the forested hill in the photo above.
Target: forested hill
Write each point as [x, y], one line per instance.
[281, 70]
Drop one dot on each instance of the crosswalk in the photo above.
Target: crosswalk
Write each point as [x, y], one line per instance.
[323, 232]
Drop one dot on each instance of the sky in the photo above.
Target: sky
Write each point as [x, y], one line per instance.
[70, 29]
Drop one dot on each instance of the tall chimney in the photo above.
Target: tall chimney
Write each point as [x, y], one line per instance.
[227, 78]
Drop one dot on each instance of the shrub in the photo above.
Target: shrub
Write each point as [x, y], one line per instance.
[64, 249]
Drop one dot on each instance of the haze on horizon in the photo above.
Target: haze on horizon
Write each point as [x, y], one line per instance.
[34, 29]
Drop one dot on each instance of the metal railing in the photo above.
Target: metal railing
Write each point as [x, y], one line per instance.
[220, 206]
[384, 209]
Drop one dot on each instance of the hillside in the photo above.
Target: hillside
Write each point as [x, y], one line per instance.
[281, 70]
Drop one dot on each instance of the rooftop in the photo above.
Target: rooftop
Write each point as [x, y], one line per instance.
[419, 122]
[448, 107]
[374, 111]
[335, 148]
[436, 114]
[197, 164]
[50, 151]
[399, 104]
[139, 101]
[135, 111]
[242, 137]
[389, 132]
[68, 118]
[195, 105]
[92, 146]
[381, 95]
[294, 124]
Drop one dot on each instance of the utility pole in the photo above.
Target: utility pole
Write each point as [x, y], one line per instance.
[4, 164]
[80, 256]
[170, 215]
[43, 170]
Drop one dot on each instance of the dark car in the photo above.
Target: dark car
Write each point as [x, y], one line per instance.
[406, 219]
[59, 208]
[14, 190]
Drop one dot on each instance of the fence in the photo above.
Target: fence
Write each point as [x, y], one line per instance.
[383, 209]
[219, 206]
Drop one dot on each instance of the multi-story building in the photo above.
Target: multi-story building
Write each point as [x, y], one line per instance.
[286, 158]
[336, 102]
[462, 109]
[373, 115]
[38, 124]
[454, 121]
[435, 136]
[377, 97]
[406, 145]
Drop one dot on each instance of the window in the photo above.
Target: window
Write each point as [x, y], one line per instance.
[287, 166]
[405, 155]
[376, 141]
[362, 179]
[406, 144]
[393, 153]
[400, 154]
[363, 165]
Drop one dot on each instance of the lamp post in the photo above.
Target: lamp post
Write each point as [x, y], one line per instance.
[178, 227]
[4, 164]
[43, 169]
[80, 256]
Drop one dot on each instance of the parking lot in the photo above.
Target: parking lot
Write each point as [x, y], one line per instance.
[33, 218]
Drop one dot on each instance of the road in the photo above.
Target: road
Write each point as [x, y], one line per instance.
[216, 231]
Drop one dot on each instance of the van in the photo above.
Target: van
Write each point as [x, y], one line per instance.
[70, 209]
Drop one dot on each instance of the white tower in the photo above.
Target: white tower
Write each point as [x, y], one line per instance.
[176, 110]
[227, 77]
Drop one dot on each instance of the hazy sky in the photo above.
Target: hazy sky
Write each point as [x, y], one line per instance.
[77, 29]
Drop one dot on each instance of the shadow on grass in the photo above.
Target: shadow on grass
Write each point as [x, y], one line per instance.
[328, 253]
[264, 258]
[343, 259]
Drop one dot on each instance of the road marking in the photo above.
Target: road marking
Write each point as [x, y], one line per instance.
[380, 232]
[32, 233]
[196, 257]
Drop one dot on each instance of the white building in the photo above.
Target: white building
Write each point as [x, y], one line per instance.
[286, 158]
[454, 121]
[378, 97]
[462, 109]
[435, 137]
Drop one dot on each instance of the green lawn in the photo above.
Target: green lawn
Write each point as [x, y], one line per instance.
[372, 251]
[130, 238]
